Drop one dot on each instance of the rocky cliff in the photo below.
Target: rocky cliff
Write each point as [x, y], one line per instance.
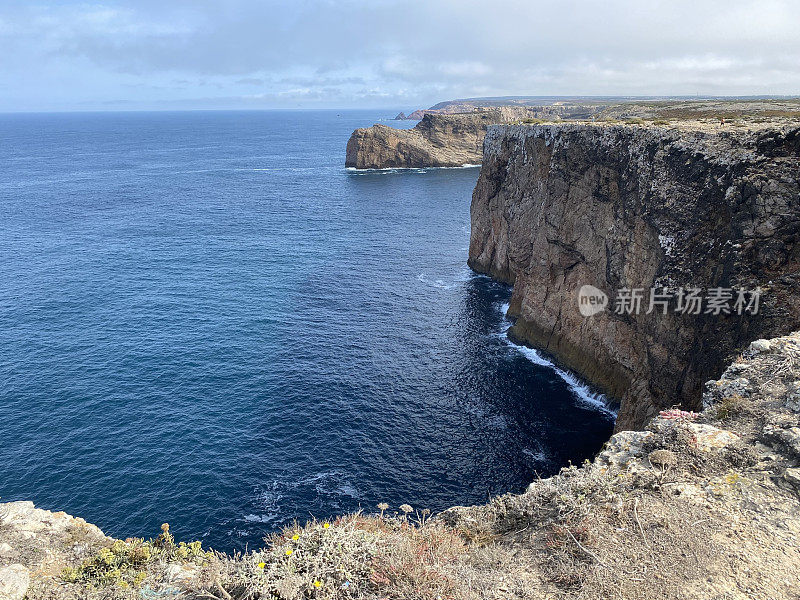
[450, 133]
[436, 141]
[444, 138]
[686, 206]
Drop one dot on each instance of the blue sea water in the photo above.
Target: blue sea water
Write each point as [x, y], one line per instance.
[206, 320]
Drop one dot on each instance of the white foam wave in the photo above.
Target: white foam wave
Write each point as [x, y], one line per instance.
[387, 170]
[538, 455]
[331, 485]
[582, 392]
[462, 276]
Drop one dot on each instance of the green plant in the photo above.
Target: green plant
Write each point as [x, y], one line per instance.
[125, 563]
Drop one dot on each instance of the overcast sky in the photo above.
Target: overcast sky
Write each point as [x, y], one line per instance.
[162, 54]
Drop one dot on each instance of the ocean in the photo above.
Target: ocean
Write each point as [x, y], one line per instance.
[206, 320]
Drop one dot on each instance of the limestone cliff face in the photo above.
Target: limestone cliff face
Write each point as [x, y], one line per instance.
[436, 141]
[557, 207]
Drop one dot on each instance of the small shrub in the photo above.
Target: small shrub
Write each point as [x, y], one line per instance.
[125, 563]
[731, 406]
[355, 556]
[320, 560]
[418, 563]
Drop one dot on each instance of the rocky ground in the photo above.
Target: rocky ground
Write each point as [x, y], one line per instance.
[698, 505]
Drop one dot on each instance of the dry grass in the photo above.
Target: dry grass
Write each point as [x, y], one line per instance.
[730, 407]
[355, 556]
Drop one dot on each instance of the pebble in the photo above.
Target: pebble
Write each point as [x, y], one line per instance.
[6, 551]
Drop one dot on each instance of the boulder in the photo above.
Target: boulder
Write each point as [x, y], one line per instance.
[14, 582]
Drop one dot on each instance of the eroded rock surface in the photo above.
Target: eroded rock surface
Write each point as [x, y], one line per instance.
[690, 205]
[436, 141]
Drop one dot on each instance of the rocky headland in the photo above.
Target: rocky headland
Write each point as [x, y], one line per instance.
[436, 141]
[681, 205]
[451, 136]
[699, 499]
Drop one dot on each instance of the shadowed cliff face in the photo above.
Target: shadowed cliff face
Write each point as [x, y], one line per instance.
[557, 207]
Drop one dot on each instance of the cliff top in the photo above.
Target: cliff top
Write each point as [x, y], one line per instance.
[722, 124]
[587, 108]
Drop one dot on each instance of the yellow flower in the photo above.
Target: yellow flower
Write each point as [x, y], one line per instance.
[317, 583]
[289, 552]
[261, 565]
[326, 525]
[295, 537]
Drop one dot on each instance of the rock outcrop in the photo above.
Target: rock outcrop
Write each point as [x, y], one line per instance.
[36, 542]
[445, 137]
[436, 141]
[691, 205]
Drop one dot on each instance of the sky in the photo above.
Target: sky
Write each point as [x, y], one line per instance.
[209, 54]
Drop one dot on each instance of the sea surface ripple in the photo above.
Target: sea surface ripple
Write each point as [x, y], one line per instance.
[206, 320]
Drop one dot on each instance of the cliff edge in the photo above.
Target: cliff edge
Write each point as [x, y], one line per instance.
[642, 210]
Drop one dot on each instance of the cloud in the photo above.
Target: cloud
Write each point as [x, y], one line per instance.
[409, 53]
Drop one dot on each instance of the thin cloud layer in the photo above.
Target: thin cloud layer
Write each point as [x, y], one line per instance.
[350, 53]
